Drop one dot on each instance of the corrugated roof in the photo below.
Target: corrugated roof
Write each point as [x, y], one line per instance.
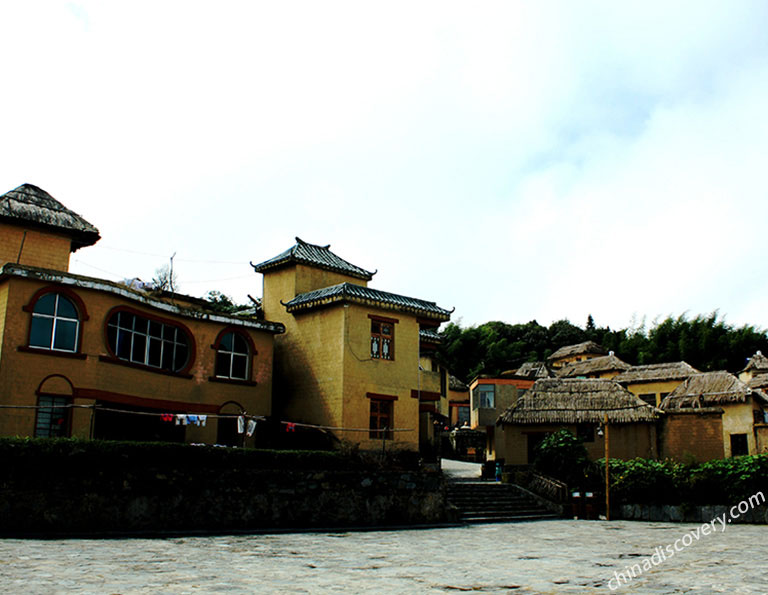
[596, 365]
[313, 255]
[657, 372]
[349, 292]
[578, 400]
[578, 349]
[706, 389]
[31, 205]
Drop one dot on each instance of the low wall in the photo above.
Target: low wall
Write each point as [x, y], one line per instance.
[687, 514]
[77, 488]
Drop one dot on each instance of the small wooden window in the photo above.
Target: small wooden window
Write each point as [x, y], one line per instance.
[382, 340]
[381, 419]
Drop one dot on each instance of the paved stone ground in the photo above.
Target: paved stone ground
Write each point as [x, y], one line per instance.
[534, 557]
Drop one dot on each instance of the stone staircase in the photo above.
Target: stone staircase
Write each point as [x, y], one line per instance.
[494, 502]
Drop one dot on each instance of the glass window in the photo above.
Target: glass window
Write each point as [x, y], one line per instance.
[52, 417]
[484, 396]
[148, 342]
[55, 323]
[382, 340]
[232, 357]
[381, 419]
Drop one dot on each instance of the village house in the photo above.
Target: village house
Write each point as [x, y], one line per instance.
[731, 417]
[653, 382]
[352, 358]
[604, 366]
[757, 365]
[489, 397]
[458, 402]
[581, 406]
[86, 357]
[575, 353]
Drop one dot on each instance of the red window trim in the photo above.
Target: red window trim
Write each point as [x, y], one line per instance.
[428, 407]
[425, 395]
[383, 319]
[159, 404]
[82, 315]
[252, 352]
[112, 358]
[378, 397]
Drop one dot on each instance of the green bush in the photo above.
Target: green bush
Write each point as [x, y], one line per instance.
[720, 481]
[562, 455]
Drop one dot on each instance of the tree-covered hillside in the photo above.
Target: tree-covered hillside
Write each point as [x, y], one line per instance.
[705, 341]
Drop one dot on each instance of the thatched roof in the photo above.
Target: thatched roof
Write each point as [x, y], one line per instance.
[758, 381]
[757, 363]
[588, 347]
[707, 389]
[578, 400]
[657, 373]
[596, 365]
[457, 385]
[31, 206]
[534, 370]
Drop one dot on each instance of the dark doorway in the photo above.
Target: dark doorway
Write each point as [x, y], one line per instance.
[739, 445]
[534, 439]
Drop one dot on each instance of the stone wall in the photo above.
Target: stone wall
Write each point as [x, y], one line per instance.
[78, 489]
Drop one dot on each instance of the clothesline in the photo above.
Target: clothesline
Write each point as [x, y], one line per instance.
[167, 416]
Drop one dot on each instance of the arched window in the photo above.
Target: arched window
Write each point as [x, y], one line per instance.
[55, 323]
[152, 343]
[233, 357]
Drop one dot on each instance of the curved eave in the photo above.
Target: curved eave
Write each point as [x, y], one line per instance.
[293, 260]
[442, 316]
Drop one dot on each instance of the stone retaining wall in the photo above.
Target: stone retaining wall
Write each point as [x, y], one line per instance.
[62, 493]
[688, 514]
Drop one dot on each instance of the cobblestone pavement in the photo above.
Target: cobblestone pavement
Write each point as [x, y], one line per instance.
[535, 557]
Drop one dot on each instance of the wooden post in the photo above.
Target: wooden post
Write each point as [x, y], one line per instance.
[607, 471]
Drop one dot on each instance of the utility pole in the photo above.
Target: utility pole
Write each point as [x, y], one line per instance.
[607, 471]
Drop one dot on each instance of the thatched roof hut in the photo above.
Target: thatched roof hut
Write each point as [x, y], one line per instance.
[657, 373]
[757, 363]
[596, 365]
[29, 205]
[586, 348]
[534, 370]
[759, 381]
[708, 389]
[578, 400]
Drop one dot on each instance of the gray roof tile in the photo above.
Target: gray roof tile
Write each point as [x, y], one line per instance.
[349, 292]
[313, 255]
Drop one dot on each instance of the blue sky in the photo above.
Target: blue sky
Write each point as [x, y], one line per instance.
[515, 160]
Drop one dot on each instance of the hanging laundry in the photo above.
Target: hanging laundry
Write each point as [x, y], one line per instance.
[251, 427]
[202, 419]
[290, 427]
[181, 419]
[167, 416]
[240, 424]
[192, 419]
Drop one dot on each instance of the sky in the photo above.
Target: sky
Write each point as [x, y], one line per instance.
[515, 160]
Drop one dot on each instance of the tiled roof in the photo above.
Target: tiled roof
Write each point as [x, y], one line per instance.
[313, 255]
[657, 372]
[578, 349]
[349, 292]
[30, 204]
[596, 365]
[429, 335]
[534, 370]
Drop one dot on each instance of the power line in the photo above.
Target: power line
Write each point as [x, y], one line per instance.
[114, 249]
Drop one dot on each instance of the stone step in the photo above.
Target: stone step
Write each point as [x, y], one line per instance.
[493, 502]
